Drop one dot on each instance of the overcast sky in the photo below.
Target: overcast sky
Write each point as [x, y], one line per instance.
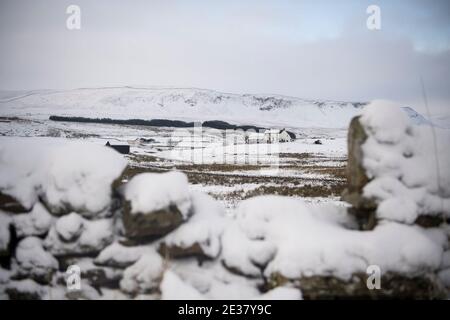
[310, 49]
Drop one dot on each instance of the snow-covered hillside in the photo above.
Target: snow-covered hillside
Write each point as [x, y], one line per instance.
[180, 104]
[416, 117]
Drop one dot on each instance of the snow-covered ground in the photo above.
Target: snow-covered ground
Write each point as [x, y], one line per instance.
[174, 147]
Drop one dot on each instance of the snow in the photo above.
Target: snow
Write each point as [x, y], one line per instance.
[283, 236]
[204, 227]
[236, 290]
[386, 121]
[416, 117]
[186, 104]
[32, 259]
[173, 288]
[112, 294]
[213, 281]
[69, 227]
[398, 209]
[87, 292]
[66, 175]
[4, 276]
[143, 276]
[83, 236]
[148, 192]
[210, 146]
[35, 223]
[407, 164]
[117, 255]
[86, 186]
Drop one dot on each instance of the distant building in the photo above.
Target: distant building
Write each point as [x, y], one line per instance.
[270, 136]
[255, 137]
[123, 149]
[276, 135]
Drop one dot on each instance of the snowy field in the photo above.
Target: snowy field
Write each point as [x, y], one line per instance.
[227, 169]
[217, 162]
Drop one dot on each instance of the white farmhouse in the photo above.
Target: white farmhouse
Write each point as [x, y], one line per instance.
[270, 136]
[276, 135]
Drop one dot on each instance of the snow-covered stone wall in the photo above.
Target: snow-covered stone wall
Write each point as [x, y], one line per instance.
[64, 206]
[398, 170]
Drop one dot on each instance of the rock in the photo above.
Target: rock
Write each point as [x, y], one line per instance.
[35, 223]
[155, 204]
[103, 277]
[4, 280]
[427, 221]
[317, 142]
[25, 290]
[393, 286]
[175, 252]
[363, 209]
[96, 276]
[151, 225]
[10, 204]
[73, 235]
[33, 261]
[144, 276]
[5, 235]
[356, 174]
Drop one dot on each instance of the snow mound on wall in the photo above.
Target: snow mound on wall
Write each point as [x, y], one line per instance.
[31, 258]
[408, 164]
[144, 276]
[68, 176]
[204, 228]
[150, 192]
[282, 236]
[173, 288]
[74, 235]
[35, 223]
[117, 255]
